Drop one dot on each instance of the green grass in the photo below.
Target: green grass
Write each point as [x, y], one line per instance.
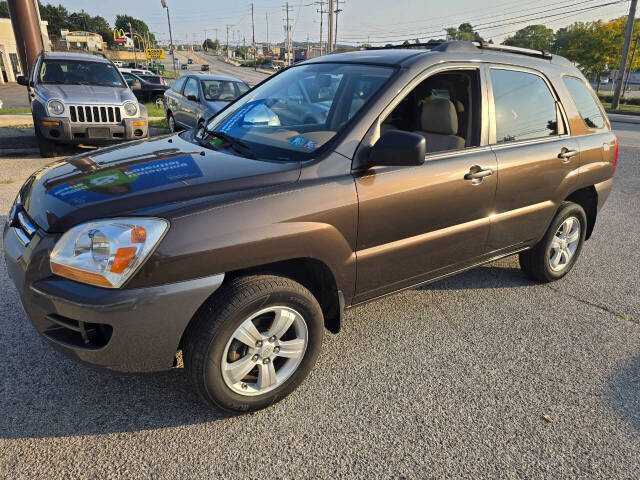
[623, 108]
[14, 111]
[169, 73]
[154, 110]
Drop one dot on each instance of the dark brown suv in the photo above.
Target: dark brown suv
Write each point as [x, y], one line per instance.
[332, 183]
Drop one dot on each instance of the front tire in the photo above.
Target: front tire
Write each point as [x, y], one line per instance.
[253, 342]
[47, 148]
[556, 254]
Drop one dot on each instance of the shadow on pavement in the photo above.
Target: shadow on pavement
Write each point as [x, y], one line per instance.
[623, 395]
[490, 276]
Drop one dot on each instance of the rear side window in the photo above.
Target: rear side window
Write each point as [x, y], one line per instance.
[177, 86]
[585, 102]
[524, 106]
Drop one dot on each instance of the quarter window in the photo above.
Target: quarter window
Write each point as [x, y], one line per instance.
[585, 102]
[524, 106]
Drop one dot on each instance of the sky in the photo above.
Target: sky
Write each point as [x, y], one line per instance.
[361, 21]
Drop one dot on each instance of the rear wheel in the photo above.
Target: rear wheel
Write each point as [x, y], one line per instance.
[253, 343]
[172, 123]
[554, 256]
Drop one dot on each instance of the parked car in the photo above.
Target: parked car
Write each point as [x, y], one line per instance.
[80, 98]
[184, 66]
[239, 243]
[147, 88]
[117, 63]
[136, 71]
[204, 67]
[193, 99]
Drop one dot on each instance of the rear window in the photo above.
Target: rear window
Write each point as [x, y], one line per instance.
[585, 103]
[524, 106]
[177, 86]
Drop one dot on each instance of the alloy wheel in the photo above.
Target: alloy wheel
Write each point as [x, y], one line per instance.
[564, 244]
[264, 351]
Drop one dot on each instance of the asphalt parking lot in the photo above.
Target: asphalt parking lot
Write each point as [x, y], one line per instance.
[449, 380]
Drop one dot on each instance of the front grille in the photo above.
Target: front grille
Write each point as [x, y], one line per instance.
[23, 226]
[95, 114]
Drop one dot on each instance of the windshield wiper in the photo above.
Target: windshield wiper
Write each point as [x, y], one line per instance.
[238, 145]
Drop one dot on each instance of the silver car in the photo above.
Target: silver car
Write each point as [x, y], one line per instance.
[194, 99]
[80, 98]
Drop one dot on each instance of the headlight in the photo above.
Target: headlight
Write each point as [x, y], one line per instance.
[55, 107]
[106, 253]
[131, 108]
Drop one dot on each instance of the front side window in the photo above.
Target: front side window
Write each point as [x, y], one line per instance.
[298, 111]
[524, 106]
[191, 88]
[78, 72]
[585, 103]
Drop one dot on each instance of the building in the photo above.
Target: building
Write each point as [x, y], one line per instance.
[79, 40]
[10, 67]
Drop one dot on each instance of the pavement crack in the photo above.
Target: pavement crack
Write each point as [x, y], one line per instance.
[604, 308]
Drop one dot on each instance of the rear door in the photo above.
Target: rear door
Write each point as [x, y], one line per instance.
[190, 103]
[538, 161]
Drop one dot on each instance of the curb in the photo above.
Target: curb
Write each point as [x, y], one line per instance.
[620, 118]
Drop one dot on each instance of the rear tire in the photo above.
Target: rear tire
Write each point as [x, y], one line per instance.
[171, 122]
[555, 255]
[253, 342]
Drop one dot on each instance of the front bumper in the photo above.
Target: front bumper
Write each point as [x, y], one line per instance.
[92, 133]
[128, 330]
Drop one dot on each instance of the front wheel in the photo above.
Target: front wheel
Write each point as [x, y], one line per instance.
[47, 148]
[556, 254]
[253, 343]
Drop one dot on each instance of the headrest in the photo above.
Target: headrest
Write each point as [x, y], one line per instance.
[439, 116]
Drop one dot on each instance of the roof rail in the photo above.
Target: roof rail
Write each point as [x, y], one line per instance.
[509, 49]
[469, 47]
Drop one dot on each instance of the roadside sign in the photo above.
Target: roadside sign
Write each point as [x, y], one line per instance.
[119, 36]
[154, 52]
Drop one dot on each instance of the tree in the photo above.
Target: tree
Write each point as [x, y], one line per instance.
[4, 10]
[464, 32]
[537, 37]
[209, 44]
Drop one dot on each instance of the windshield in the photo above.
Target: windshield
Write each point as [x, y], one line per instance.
[298, 111]
[78, 72]
[222, 90]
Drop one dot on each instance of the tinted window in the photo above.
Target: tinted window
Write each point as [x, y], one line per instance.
[585, 102]
[74, 72]
[177, 86]
[524, 106]
[191, 88]
[242, 87]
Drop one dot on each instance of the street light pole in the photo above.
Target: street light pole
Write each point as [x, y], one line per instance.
[625, 53]
[133, 39]
[331, 14]
[173, 55]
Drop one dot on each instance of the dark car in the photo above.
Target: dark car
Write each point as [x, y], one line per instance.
[184, 66]
[146, 88]
[204, 67]
[239, 243]
[193, 99]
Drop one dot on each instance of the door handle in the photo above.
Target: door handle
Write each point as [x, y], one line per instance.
[477, 173]
[566, 154]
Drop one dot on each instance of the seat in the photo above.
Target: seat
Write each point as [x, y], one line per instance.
[439, 125]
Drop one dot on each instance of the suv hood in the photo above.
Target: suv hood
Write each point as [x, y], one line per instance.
[89, 94]
[156, 175]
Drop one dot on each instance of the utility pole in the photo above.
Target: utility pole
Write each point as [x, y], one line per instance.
[206, 47]
[625, 54]
[335, 32]
[135, 55]
[331, 14]
[26, 28]
[633, 57]
[287, 28]
[253, 39]
[228, 26]
[322, 11]
[171, 47]
[266, 17]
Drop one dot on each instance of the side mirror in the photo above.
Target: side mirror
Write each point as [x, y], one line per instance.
[22, 80]
[193, 98]
[397, 148]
